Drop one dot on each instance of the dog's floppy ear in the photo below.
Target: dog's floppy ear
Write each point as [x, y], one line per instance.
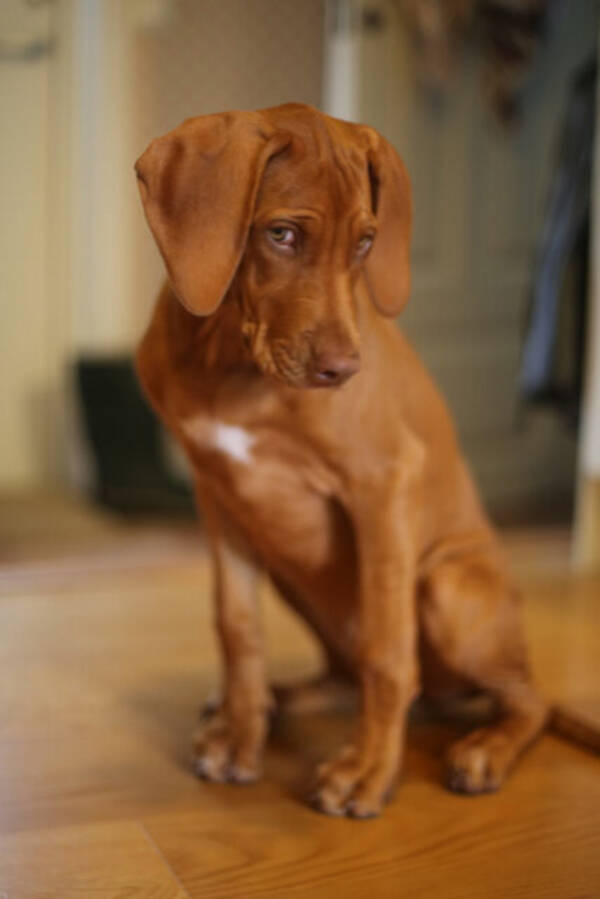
[198, 185]
[387, 269]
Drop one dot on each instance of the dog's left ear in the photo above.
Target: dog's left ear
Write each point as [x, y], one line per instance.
[387, 269]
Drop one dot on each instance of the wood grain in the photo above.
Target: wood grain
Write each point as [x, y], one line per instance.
[116, 861]
[104, 667]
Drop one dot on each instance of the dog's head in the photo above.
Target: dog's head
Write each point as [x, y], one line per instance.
[283, 209]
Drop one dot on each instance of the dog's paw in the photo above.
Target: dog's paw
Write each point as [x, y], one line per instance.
[221, 756]
[353, 785]
[479, 763]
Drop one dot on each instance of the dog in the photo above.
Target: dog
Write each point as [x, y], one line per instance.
[322, 453]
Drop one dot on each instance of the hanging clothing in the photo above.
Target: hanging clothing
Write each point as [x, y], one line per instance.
[563, 247]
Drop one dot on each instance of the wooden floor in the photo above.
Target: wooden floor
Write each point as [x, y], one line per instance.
[107, 650]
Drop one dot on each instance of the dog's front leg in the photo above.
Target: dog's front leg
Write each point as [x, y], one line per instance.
[360, 779]
[229, 744]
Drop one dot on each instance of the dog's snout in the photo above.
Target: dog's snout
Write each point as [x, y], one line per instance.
[332, 369]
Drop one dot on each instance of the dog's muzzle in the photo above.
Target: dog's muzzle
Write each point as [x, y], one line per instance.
[333, 369]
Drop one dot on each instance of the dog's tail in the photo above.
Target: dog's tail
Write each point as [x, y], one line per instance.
[578, 725]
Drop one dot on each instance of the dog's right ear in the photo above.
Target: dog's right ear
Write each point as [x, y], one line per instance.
[198, 185]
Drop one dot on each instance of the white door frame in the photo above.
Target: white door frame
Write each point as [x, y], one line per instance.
[586, 543]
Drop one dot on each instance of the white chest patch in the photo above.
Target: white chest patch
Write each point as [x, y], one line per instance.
[231, 440]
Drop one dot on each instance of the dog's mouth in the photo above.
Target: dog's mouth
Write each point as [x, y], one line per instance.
[276, 358]
[294, 373]
[297, 365]
[290, 366]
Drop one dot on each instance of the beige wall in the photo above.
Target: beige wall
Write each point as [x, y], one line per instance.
[24, 352]
[80, 271]
[206, 56]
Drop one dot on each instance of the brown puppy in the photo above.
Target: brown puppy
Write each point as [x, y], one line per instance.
[285, 234]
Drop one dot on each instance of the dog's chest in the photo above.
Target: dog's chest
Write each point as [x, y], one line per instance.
[276, 487]
[256, 457]
[208, 434]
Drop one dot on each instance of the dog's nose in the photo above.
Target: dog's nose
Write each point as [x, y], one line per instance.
[332, 370]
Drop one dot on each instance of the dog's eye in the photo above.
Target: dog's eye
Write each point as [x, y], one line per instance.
[364, 244]
[282, 235]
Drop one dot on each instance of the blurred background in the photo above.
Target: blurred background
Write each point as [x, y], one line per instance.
[107, 646]
[491, 104]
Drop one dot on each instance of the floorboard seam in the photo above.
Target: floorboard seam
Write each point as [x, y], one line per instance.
[164, 859]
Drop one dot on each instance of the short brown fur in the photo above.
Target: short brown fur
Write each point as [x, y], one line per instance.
[355, 498]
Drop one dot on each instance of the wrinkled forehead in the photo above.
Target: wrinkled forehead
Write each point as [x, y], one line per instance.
[324, 168]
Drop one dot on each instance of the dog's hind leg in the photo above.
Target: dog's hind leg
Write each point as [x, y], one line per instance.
[470, 614]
